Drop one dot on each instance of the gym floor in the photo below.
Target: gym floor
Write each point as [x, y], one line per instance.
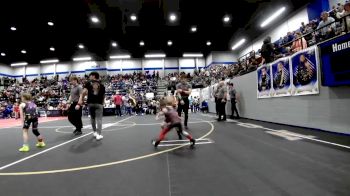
[236, 157]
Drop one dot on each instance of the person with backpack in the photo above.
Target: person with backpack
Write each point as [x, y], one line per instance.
[95, 91]
[29, 116]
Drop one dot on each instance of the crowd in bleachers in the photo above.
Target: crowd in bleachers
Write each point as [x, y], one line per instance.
[52, 94]
[330, 24]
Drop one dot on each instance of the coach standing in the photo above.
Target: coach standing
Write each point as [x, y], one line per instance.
[183, 89]
[96, 95]
[222, 98]
[74, 115]
[233, 98]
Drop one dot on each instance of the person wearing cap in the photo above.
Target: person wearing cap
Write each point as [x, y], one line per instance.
[233, 98]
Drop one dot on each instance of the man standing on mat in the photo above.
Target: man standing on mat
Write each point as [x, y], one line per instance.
[183, 89]
[222, 98]
[74, 115]
[233, 97]
[96, 96]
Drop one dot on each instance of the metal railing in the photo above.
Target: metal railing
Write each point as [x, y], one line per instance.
[325, 33]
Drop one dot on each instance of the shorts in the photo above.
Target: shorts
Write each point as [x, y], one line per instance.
[28, 121]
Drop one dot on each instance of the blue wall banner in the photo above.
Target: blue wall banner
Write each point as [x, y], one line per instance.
[335, 62]
[264, 81]
[304, 69]
[281, 78]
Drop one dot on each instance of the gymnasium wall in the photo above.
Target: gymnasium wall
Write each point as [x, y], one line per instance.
[171, 65]
[5, 70]
[327, 111]
[117, 66]
[291, 24]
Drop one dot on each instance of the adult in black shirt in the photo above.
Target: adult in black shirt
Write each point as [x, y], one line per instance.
[267, 50]
[96, 95]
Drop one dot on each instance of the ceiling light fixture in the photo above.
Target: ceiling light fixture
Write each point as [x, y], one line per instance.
[133, 17]
[194, 29]
[50, 23]
[273, 17]
[226, 19]
[238, 44]
[23, 51]
[81, 46]
[114, 44]
[94, 19]
[19, 64]
[142, 43]
[52, 49]
[85, 58]
[13, 28]
[49, 61]
[172, 17]
[120, 57]
[192, 55]
[155, 55]
[208, 43]
[170, 43]
[3, 54]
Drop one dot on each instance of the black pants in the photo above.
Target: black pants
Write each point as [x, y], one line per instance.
[234, 108]
[222, 109]
[184, 108]
[74, 116]
[118, 111]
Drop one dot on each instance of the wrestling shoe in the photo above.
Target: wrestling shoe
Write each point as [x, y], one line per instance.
[155, 143]
[95, 134]
[193, 142]
[99, 137]
[40, 144]
[25, 148]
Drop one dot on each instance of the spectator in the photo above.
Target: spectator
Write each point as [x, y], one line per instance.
[267, 50]
[118, 103]
[299, 43]
[346, 12]
[326, 27]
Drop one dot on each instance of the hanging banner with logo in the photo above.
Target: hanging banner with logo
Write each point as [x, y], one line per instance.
[334, 56]
[281, 78]
[264, 81]
[304, 69]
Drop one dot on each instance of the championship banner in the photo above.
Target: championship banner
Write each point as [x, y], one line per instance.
[304, 69]
[281, 82]
[264, 81]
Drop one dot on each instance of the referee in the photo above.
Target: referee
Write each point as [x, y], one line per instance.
[74, 115]
[183, 90]
[221, 101]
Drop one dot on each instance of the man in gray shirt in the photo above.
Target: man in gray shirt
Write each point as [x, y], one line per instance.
[74, 115]
[221, 100]
[233, 97]
[183, 90]
[326, 27]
